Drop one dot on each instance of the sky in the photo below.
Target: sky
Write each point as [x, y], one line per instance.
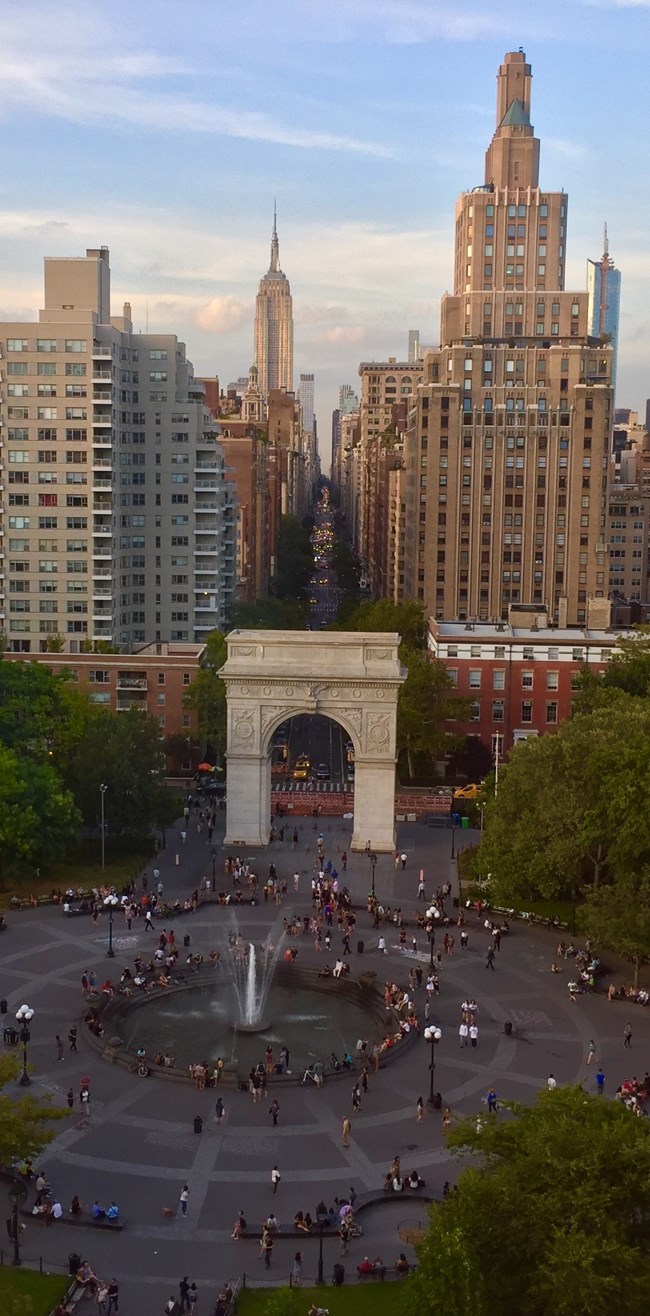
[164, 129]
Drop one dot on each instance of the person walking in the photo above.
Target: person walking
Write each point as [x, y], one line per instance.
[274, 1111]
[296, 1271]
[148, 921]
[600, 1082]
[464, 939]
[473, 1035]
[627, 1036]
[344, 1235]
[421, 890]
[184, 1289]
[551, 1083]
[402, 859]
[219, 1110]
[72, 1038]
[591, 1051]
[70, 1098]
[489, 958]
[381, 946]
[267, 1249]
[346, 1128]
[84, 1100]
[446, 1117]
[113, 1295]
[275, 1179]
[185, 1192]
[356, 1098]
[463, 1033]
[60, 1051]
[491, 1101]
[419, 1110]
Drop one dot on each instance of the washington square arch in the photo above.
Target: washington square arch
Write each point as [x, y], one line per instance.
[350, 676]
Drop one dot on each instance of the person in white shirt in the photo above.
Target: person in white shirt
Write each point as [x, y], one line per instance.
[463, 1033]
[551, 1083]
[473, 1034]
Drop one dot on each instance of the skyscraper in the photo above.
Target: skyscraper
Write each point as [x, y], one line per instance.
[414, 345]
[306, 396]
[508, 439]
[274, 325]
[604, 288]
[119, 520]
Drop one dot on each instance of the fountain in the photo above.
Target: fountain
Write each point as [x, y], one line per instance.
[252, 975]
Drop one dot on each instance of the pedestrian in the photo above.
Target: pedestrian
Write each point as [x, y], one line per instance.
[364, 1080]
[491, 1101]
[473, 1034]
[148, 921]
[274, 1111]
[84, 1099]
[172, 1307]
[84, 982]
[464, 939]
[551, 1083]
[275, 1178]
[356, 1098]
[344, 1235]
[219, 1110]
[419, 1110]
[113, 1295]
[627, 1036]
[70, 1098]
[156, 875]
[489, 959]
[296, 1271]
[421, 890]
[591, 1052]
[446, 1117]
[194, 1296]
[403, 860]
[267, 1249]
[600, 1082]
[185, 1192]
[463, 1033]
[381, 946]
[345, 1131]
[184, 1288]
[344, 861]
[296, 881]
[60, 1052]
[72, 1037]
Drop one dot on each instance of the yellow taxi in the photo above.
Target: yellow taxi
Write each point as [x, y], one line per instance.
[301, 770]
[468, 792]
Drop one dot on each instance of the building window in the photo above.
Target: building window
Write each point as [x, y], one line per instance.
[452, 673]
[497, 710]
[475, 678]
[552, 680]
[551, 712]
[499, 680]
[475, 712]
[526, 711]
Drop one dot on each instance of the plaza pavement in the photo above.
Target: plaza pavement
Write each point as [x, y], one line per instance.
[138, 1147]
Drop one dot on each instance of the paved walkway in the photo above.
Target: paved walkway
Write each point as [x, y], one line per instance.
[139, 1147]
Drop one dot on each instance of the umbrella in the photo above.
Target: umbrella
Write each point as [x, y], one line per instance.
[205, 767]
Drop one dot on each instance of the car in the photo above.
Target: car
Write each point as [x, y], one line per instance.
[300, 772]
[323, 772]
[468, 792]
[350, 773]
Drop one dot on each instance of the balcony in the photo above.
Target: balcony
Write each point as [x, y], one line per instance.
[102, 418]
[101, 464]
[102, 441]
[102, 484]
[100, 551]
[127, 682]
[101, 353]
[206, 507]
[102, 530]
[206, 486]
[101, 376]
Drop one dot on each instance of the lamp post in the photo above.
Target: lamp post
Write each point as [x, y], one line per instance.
[373, 863]
[102, 791]
[24, 1016]
[453, 840]
[17, 1195]
[432, 1035]
[110, 903]
[213, 856]
[433, 914]
[321, 1224]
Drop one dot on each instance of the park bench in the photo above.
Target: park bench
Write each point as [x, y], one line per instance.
[86, 1222]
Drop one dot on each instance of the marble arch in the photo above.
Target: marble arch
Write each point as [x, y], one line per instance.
[351, 676]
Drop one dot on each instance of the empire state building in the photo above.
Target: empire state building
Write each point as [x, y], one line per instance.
[274, 325]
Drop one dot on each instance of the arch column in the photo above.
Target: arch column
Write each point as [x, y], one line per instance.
[249, 789]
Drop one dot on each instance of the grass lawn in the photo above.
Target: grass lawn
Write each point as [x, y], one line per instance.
[83, 869]
[368, 1298]
[43, 1290]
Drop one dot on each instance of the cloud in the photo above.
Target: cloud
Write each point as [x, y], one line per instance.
[342, 333]
[561, 146]
[222, 314]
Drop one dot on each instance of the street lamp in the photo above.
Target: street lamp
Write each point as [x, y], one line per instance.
[24, 1016]
[213, 856]
[110, 903]
[17, 1195]
[373, 861]
[322, 1219]
[102, 791]
[453, 840]
[433, 914]
[432, 1035]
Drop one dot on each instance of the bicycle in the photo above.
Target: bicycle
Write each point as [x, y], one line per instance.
[140, 1068]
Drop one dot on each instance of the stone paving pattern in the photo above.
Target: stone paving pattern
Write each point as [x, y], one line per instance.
[138, 1146]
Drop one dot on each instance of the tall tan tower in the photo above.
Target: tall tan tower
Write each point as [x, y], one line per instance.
[274, 325]
[506, 452]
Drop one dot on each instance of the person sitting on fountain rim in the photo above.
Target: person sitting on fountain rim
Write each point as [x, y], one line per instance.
[326, 971]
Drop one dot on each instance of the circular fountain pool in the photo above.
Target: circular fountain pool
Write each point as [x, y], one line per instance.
[196, 1023]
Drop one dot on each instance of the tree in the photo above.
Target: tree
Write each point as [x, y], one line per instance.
[550, 1215]
[34, 705]
[269, 614]
[38, 816]
[122, 751]
[24, 1120]
[294, 561]
[629, 669]
[408, 619]
[617, 917]
[570, 809]
[206, 694]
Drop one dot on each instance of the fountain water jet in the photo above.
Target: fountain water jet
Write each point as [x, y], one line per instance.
[252, 973]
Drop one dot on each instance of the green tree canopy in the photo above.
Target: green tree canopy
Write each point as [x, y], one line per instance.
[206, 694]
[122, 751]
[295, 560]
[39, 710]
[38, 816]
[570, 809]
[617, 917]
[24, 1120]
[408, 619]
[550, 1218]
[269, 614]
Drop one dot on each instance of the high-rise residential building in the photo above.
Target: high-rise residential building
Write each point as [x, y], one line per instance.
[414, 345]
[306, 399]
[507, 442]
[386, 392]
[117, 518]
[348, 402]
[604, 288]
[274, 325]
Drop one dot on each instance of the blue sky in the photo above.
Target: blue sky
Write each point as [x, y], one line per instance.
[165, 129]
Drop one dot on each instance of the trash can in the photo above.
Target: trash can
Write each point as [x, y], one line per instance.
[464, 822]
[186, 939]
[507, 1028]
[455, 820]
[74, 1262]
[437, 1101]
[456, 902]
[198, 1124]
[360, 945]
[338, 1274]
[3, 1006]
